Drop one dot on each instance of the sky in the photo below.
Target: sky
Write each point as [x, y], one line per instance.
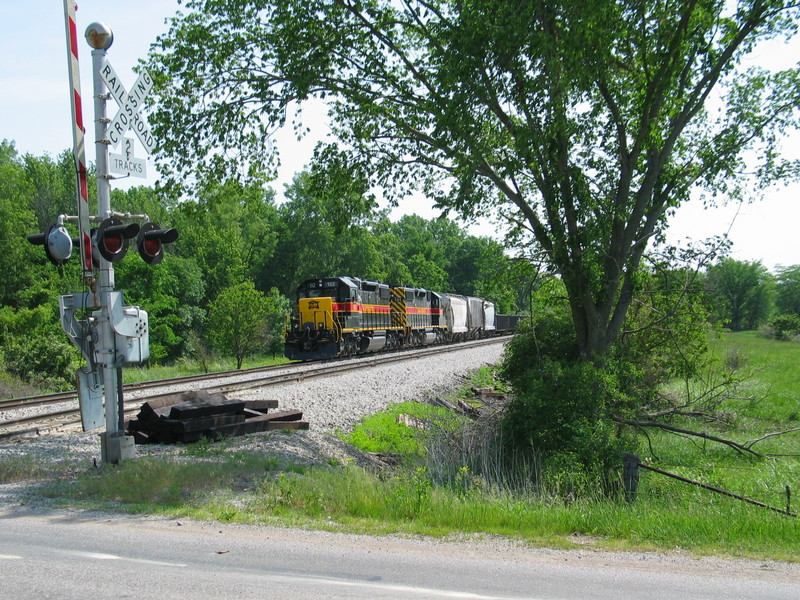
[35, 114]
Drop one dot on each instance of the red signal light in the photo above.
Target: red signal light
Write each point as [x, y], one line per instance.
[111, 239]
[151, 242]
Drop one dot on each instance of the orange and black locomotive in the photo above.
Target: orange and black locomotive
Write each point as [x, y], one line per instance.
[342, 316]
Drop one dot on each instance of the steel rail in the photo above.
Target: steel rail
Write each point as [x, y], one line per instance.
[54, 398]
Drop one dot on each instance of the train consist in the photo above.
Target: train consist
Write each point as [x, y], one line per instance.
[342, 316]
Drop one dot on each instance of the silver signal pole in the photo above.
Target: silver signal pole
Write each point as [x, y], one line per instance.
[116, 445]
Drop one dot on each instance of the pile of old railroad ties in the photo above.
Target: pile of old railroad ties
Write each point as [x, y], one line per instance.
[191, 416]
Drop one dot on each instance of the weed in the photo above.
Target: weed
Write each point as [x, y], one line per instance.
[19, 468]
[201, 448]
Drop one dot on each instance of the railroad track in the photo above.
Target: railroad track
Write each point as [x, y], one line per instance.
[45, 399]
[66, 417]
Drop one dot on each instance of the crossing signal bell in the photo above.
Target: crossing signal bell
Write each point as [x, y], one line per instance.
[57, 243]
[151, 242]
[110, 240]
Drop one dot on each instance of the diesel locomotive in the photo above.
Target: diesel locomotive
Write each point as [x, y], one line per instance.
[342, 316]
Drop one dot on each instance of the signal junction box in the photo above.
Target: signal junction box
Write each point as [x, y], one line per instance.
[131, 330]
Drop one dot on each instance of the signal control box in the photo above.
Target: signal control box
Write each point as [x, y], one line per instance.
[131, 330]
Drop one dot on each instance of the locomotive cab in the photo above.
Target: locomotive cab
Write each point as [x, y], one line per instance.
[338, 316]
[316, 328]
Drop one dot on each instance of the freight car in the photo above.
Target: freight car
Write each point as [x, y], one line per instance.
[342, 316]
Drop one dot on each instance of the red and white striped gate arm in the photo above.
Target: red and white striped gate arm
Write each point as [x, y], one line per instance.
[78, 148]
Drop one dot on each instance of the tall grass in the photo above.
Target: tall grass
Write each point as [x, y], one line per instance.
[19, 468]
[408, 503]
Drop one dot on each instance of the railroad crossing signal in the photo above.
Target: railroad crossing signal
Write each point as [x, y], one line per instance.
[151, 242]
[110, 240]
[116, 334]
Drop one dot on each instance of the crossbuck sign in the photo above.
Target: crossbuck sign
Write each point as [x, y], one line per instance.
[130, 102]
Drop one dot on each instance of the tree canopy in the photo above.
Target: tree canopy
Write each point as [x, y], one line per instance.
[742, 293]
[583, 123]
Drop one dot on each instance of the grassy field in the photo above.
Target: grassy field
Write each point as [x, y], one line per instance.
[769, 402]
[558, 510]
[134, 373]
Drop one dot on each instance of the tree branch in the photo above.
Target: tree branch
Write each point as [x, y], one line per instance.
[741, 448]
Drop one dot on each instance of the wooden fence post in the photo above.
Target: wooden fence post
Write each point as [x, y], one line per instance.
[630, 476]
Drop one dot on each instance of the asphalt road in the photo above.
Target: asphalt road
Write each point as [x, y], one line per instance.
[75, 555]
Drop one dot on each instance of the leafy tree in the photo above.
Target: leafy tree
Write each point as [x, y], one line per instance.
[238, 323]
[585, 123]
[17, 256]
[35, 349]
[28, 277]
[787, 290]
[571, 408]
[742, 293]
[229, 231]
[425, 273]
[53, 186]
[310, 245]
[172, 293]
[785, 327]
[144, 200]
[278, 311]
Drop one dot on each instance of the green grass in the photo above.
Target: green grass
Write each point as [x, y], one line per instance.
[381, 432]
[135, 374]
[209, 481]
[774, 366]
[19, 468]
[770, 402]
[261, 491]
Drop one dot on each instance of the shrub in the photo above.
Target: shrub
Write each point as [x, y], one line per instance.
[42, 359]
[564, 408]
[561, 403]
[785, 327]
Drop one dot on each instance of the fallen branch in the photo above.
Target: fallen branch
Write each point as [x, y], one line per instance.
[752, 443]
[741, 448]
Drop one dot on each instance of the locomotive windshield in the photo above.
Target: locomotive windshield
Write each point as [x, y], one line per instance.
[325, 288]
